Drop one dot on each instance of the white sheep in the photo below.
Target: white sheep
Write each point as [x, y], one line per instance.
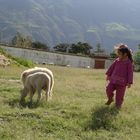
[36, 82]
[38, 69]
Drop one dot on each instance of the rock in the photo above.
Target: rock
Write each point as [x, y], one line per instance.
[4, 61]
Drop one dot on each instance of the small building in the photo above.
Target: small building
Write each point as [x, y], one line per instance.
[101, 59]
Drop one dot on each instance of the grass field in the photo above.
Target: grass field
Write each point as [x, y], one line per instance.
[77, 111]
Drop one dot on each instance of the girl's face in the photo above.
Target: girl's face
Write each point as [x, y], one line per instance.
[121, 55]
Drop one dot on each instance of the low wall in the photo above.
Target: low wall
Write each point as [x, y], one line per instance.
[53, 58]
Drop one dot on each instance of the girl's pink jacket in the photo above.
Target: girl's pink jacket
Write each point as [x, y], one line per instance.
[121, 72]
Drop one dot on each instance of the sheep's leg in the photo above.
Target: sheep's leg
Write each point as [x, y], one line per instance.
[48, 91]
[24, 93]
[48, 95]
[32, 91]
[51, 87]
[39, 95]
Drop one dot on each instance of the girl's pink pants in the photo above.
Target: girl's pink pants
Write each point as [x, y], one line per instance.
[120, 92]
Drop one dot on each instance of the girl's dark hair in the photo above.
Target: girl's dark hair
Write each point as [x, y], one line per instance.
[124, 49]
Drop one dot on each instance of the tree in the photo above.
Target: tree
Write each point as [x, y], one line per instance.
[137, 59]
[62, 47]
[81, 48]
[139, 46]
[137, 56]
[22, 41]
[39, 45]
[113, 54]
[99, 48]
[87, 48]
[74, 49]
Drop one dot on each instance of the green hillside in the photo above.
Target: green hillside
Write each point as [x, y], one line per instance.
[56, 21]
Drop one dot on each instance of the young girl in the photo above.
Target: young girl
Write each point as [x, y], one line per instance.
[120, 75]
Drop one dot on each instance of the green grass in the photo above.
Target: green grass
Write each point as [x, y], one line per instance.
[77, 111]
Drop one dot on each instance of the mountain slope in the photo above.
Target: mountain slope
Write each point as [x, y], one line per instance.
[55, 21]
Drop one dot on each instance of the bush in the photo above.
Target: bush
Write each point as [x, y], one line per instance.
[23, 62]
[137, 60]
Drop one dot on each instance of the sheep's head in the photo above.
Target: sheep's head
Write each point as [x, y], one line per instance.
[24, 75]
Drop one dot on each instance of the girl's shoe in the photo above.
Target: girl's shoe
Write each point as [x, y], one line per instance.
[109, 102]
[118, 106]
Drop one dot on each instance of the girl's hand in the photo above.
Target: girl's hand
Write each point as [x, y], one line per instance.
[107, 78]
[129, 85]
